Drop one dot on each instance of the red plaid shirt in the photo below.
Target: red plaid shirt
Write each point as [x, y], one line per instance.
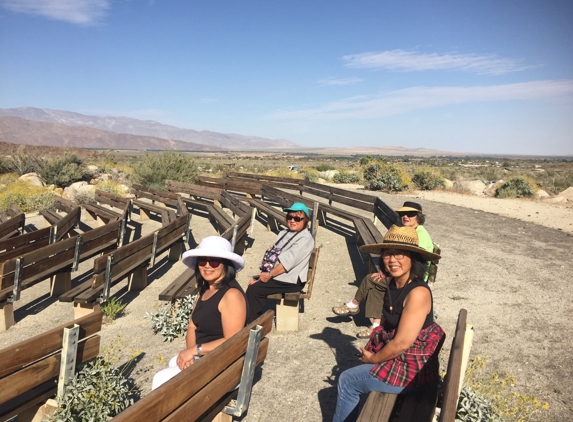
[416, 367]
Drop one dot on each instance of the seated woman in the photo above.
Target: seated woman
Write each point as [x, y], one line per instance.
[373, 286]
[285, 266]
[402, 353]
[220, 311]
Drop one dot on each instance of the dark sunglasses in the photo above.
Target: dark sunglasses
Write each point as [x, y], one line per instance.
[213, 262]
[295, 218]
[410, 214]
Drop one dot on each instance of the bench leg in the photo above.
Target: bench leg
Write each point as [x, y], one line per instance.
[60, 283]
[321, 217]
[222, 417]
[46, 223]
[240, 246]
[287, 315]
[88, 215]
[175, 252]
[143, 215]
[39, 412]
[100, 222]
[83, 309]
[272, 223]
[6, 315]
[138, 280]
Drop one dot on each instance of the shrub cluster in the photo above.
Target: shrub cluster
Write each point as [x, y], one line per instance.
[154, 169]
[386, 176]
[26, 196]
[346, 177]
[63, 170]
[22, 162]
[324, 167]
[309, 174]
[171, 320]
[517, 187]
[426, 178]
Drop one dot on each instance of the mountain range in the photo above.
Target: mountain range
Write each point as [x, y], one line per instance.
[60, 128]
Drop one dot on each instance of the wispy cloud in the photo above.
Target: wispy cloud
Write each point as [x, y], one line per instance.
[416, 98]
[82, 12]
[409, 61]
[340, 81]
[209, 100]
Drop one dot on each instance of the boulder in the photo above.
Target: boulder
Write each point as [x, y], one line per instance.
[92, 169]
[328, 174]
[475, 187]
[32, 178]
[492, 188]
[567, 193]
[448, 184]
[80, 192]
[540, 194]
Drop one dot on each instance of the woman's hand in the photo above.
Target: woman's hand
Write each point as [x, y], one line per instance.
[265, 277]
[186, 357]
[379, 276]
[366, 356]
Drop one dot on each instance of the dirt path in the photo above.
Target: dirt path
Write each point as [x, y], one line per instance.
[505, 271]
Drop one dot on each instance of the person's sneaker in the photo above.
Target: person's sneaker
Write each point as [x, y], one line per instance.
[365, 332]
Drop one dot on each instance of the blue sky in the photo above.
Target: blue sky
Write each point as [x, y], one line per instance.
[467, 76]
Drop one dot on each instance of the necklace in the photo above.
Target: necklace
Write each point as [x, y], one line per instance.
[399, 296]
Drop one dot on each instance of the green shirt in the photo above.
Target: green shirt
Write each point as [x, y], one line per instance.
[425, 242]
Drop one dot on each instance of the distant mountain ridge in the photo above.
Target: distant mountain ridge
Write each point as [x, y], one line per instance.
[16, 130]
[150, 128]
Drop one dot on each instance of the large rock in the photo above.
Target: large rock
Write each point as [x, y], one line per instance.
[567, 193]
[555, 199]
[92, 169]
[32, 178]
[448, 184]
[540, 194]
[80, 192]
[328, 174]
[492, 188]
[475, 187]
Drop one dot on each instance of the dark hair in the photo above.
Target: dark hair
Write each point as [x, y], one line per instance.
[419, 266]
[229, 274]
[421, 218]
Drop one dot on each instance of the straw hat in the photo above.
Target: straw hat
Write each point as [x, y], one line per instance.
[410, 206]
[214, 247]
[402, 238]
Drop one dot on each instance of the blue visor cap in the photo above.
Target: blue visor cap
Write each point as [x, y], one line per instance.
[298, 206]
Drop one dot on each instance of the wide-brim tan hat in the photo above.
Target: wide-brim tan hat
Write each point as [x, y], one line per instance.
[402, 238]
[410, 206]
[213, 247]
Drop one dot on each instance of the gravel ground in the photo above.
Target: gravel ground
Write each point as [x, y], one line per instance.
[505, 271]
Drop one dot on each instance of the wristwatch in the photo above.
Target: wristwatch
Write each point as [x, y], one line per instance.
[198, 350]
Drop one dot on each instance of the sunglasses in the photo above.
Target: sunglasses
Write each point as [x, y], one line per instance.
[409, 214]
[213, 262]
[295, 218]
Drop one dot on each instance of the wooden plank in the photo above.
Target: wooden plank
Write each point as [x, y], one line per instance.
[52, 217]
[387, 215]
[378, 407]
[184, 279]
[70, 295]
[311, 273]
[67, 223]
[453, 375]
[102, 212]
[161, 402]
[24, 249]
[43, 370]
[193, 190]
[34, 348]
[24, 239]
[234, 204]
[34, 396]
[119, 268]
[15, 223]
[64, 204]
[124, 251]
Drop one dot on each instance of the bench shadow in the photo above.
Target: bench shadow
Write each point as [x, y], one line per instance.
[132, 231]
[35, 306]
[341, 345]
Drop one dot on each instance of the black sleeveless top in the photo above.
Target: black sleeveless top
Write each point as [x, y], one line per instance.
[206, 316]
[397, 296]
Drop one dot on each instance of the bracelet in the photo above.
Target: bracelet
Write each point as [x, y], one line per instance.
[271, 275]
[198, 350]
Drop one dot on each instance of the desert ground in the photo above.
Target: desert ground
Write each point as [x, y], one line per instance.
[505, 261]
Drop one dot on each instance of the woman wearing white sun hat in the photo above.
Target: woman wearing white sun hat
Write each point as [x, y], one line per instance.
[221, 309]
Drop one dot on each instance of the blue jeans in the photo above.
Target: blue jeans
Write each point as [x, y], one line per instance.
[351, 384]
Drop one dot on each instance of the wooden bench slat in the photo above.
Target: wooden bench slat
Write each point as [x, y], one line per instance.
[184, 279]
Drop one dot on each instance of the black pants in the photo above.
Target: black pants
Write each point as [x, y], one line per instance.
[257, 295]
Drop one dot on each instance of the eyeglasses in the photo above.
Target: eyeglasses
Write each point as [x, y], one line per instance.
[409, 214]
[213, 262]
[398, 255]
[295, 218]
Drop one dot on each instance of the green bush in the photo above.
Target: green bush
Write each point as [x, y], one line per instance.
[171, 320]
[346, 177]
[98, 391]
[154, 169]
[64, 170]
[387, 177]
[517, 187]
[309, 174]
[324, 167]
[427, 178]
[474, 408]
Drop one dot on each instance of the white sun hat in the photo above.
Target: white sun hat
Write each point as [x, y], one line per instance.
[214, 247]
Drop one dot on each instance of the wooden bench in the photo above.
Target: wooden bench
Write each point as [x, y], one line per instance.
[248, 186]
[100, 214]
[158, 197]
[388, 217]
[288, 304]
[420, 407]
[194, 191]
[201, 391]
[145, 208]
[275, 218]
[12, 226]
[277, 182]
[20, 245]
[55, 261]
[132, 260]
[219, 218]
[29, 369]
[367, 233]
[114, 201]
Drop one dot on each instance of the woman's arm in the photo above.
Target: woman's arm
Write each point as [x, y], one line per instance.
[266, 276]
[187, 356]
[417, 306]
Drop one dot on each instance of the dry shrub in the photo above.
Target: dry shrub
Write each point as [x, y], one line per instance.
[517, 187]
[427, 178]
[26, 196]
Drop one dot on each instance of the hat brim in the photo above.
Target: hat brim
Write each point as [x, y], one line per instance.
[190, 258]
[376, 248]
[406, 209]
